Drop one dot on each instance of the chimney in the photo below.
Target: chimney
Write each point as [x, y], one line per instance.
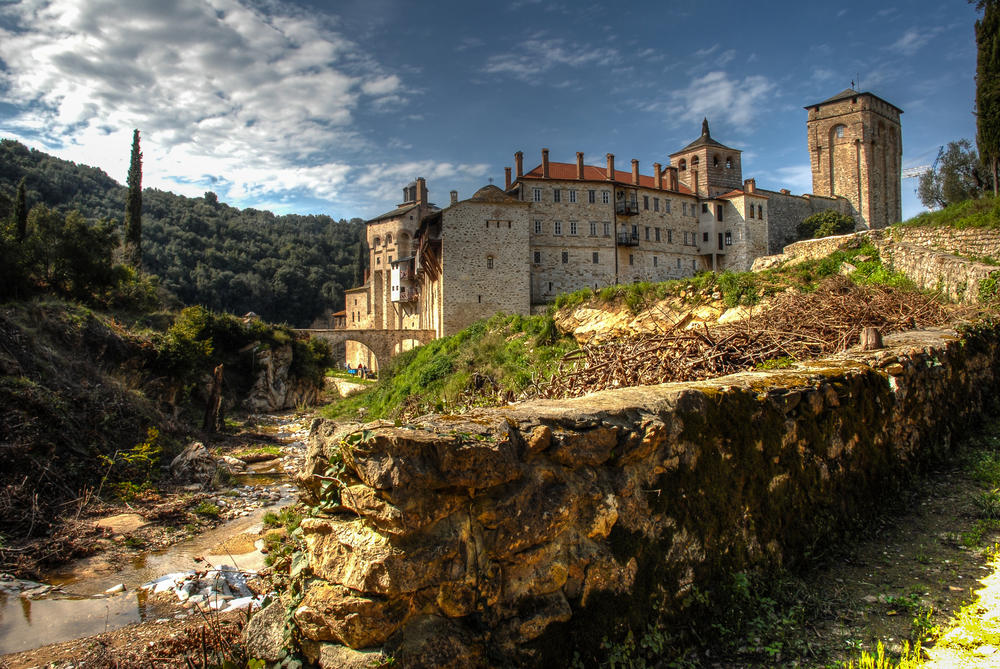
[750, 185]
[611, 167]
[519, 164]
[635, 172]
[785, 191]
[579, 165]
[506, 178]
[454, 196]
[657, 176]
[421, 190]
[545, 163]
[671, 177]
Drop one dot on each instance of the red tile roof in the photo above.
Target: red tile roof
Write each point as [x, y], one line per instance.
[567, 172]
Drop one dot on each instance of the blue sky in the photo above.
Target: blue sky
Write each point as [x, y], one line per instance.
[332, 107]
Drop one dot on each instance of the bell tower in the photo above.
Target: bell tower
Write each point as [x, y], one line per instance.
[855, 150]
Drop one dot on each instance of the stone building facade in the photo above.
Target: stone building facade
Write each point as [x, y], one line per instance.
[563, 226]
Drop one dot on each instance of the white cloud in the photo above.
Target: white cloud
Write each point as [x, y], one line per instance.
[385, 181]
[223, 92]
[796, 178]
[722, 99]
[539, 54]
[913, 40]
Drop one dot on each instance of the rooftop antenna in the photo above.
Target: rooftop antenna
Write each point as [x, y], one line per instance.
[491, 181]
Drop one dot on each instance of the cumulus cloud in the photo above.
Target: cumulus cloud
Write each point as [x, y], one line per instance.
[385, 180]
[720, 97]
[224, 92]
[540, 54]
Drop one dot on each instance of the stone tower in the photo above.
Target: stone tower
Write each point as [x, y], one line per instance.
[855, 149]
[708, 167]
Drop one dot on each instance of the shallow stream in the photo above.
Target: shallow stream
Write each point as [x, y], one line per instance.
[79, 606]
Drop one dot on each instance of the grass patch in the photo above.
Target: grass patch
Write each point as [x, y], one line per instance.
[207, 509]
[255, 451]
[982, 213]
[488, 363]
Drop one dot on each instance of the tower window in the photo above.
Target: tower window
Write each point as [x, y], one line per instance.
[760, 211]
[839, 131]
[729, 162]
[715, 161]
[682, 165]
[751, 210]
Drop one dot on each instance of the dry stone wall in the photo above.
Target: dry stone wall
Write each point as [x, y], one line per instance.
[522, 535]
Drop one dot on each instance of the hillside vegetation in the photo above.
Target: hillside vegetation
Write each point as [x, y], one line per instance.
[292, 269]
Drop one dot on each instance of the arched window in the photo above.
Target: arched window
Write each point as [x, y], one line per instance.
[729, 162]
[376, 242]
[682, 165]
[388, 239]
[838, 131]
[715, 161]
[695, 162]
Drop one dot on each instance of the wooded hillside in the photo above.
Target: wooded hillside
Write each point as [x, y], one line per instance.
[290, 268]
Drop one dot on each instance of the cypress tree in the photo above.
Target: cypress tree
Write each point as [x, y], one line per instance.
[988, 88]
[133, 207]
[21, 211]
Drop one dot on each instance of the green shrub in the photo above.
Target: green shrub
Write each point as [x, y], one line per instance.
[825, 224]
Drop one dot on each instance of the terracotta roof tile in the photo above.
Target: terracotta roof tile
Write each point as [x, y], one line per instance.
[567, 172]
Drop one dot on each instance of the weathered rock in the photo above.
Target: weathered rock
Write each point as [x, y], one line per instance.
[266, 637]
[438, 643]
[194, 463]
[273, 390]
[335, 656]
[335, 613]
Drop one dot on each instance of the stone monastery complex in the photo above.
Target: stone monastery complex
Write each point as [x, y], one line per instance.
[560, 227]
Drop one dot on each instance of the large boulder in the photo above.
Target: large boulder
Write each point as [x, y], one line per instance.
[194, 464]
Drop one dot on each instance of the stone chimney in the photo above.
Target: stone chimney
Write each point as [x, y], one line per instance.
[672, 178]
[454, 195]
[506, 178]
[785, 191]
[421, 190]
[635, 172]
[579, 165]
[519, 164]
[749, 185]
[657, 176]
[545, 163]
[611, 167]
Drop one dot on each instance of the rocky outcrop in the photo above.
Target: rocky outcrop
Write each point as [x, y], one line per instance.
[520, 535]
[274, 389]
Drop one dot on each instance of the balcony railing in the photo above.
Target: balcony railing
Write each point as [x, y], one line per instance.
[628, 239]
[627, 207]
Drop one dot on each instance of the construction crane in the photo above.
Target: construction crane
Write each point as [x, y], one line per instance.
[920, 170]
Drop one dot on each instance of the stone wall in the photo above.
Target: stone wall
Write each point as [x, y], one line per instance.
[973, 242]
[520, 535]
[786, 211]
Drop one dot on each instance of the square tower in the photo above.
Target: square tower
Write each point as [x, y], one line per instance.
[708, 167]
[855, 150]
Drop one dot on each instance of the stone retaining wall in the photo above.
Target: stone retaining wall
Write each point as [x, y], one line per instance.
[520, 535]
[973, 242]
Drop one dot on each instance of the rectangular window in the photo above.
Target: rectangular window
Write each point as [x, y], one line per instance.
[572, 196]
[645, 202]
[538, 257]
[538, 227]
[678, 263]
[565, 257]
[704, 236]
[693, 265]
[593, 228]
[704, 207]
[684, 208]
[605, 196]
[591, 196]
[556, 195]
[729, 239]
[572, 227]
[760, 211]
[607, 229]
[657, 234]
[655, 260]
[631, 259]
[557, 228]
[670, 236]
[647, 233]
[656, 204]
[597, 257]
[489, 262]
[635, 232]
[750, 210]
[666, 206]
[536, 194]
[718, 212]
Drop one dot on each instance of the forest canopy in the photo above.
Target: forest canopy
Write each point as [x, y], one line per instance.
[292, 268]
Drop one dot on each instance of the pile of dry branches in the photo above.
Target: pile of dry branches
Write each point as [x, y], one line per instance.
[797, 326]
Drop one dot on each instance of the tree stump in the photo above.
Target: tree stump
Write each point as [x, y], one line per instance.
[871, 339]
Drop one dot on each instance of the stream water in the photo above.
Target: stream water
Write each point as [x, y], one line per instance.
[79, 607]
